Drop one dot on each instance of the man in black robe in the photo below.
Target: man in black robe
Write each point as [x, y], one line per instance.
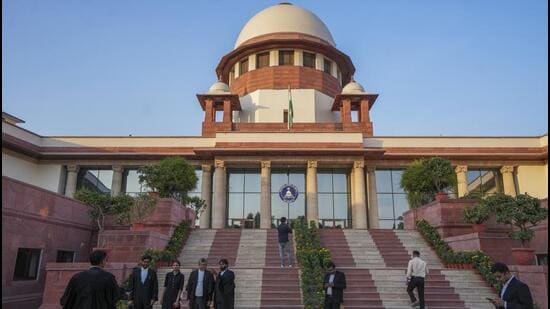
[143, 287]
[93, 288]
[225, 287]
[200, 287]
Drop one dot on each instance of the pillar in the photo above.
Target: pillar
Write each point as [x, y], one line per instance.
[265, 199]
[508, 180]
[70, 186]
[359, 200]
[116, 185]
[345, 112]
[311, 192]
[206, 196]
[373, 198]
[220, 198]
[461, 180]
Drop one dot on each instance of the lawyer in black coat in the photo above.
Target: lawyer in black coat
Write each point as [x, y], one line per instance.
[143, 294]
[207, 287]
[94, 288]
[225, 287]
[337, 287]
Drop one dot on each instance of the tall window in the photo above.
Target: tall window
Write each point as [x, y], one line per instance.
[333, 198]
[279, 178]
[286, 57]
[309, 60]
[244, 198]
[483, 182]
[196, 192]
[262, 60]
[130, 182]
[99, 179]
[327, 66]
[65, 256]
[26, 264]
[392, 200]
[243, 66]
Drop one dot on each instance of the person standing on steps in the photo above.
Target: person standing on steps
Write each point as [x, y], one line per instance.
[285, 246]
[200, 287]
[144, 287]
[224, 295]
[173, 287]
[416, 274]
[334, 284]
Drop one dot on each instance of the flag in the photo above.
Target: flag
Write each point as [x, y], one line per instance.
[290, 109]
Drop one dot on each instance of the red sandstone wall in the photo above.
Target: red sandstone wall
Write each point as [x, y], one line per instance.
[536, 277]
[36, 218]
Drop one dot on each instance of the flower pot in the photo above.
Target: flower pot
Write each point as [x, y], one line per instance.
[479, 228]
[523, 256]
[137, 227]
[153, 194]
[441, 196]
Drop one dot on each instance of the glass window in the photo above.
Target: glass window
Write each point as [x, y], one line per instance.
[262, 60]
[130, 182]
[324, 181]
[280, 209]
[392, 200]
[333, 197]
[483, 182]
[26, 264]
[286, 57]
[98, 179]
[309, 60]
[65, 256]
[252, 182]
[327, 66]
[236, 181]
[243, 66]
[244, 197]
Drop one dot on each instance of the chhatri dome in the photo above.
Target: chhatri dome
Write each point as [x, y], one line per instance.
[284, 17]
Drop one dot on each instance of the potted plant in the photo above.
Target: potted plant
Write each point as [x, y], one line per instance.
[172, 177]
[142, 206]
[427, 179]
[522, 212]
[477, 215]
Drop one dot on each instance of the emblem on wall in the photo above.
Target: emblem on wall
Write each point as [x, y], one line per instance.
[288, 193]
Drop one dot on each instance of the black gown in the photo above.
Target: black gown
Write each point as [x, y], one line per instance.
[91, 289]
[173, 284]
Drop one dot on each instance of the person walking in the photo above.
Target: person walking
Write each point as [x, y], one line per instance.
[143, 285]
[416, 274]
[224, 294]
[94, 288]
[285, 246]
[334, 284]
[200, 287]
[514, 294]
[173, 287]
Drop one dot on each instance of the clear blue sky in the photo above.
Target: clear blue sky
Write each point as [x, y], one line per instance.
[133, 67]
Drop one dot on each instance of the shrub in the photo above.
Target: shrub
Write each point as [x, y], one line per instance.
[102, 205]
[477, 214]
[423, 178]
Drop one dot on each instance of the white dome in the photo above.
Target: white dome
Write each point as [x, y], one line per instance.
[218, 87]
[353, 87]
[284, 17]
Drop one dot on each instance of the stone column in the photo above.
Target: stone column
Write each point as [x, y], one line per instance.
[359, 200]
[116, 185]
[206, 195]
[220, 201]
[311, 192]
[70, 185]
[265, 199]
[508, 180]
[462, 180]
[373, 198]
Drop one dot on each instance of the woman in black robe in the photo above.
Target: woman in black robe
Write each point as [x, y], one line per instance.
[173, 286]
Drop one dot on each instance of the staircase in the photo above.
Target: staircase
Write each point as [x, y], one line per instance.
[379, 274]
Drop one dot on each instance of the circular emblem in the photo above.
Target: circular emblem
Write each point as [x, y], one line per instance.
[288, 193]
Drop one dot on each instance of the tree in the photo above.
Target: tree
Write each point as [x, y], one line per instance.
[102, 205]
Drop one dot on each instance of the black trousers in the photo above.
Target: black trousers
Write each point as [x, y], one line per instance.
[416, 283]
[199, 303]
[331, 303]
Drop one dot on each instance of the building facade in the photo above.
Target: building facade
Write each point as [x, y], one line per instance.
[254, 141]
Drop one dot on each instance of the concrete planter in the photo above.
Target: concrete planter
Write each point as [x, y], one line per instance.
[523, 256]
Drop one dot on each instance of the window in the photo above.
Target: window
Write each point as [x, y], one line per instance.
[26, 264]
[355, 116]
[483, 182]
[64, 256]
[218, 116]
[327, 66]
[286, 57]
[333, 198]
[244, 198]
[542, 259]
[279, 178]
[243, 66]
[285, 116]
[392, 200]
[98, 179]
[309, 60]
[262, 60]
